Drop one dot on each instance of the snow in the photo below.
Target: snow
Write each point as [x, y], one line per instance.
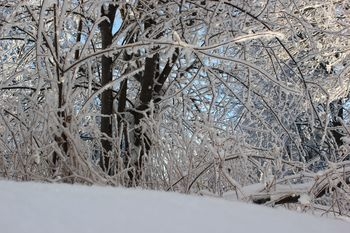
[305, 199]
[42, 208]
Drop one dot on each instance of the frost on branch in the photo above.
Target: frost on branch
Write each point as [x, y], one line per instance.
[205, 97]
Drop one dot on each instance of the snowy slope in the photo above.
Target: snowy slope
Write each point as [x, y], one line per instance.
[51, 208]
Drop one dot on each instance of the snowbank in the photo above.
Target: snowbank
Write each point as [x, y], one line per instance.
[61, 208]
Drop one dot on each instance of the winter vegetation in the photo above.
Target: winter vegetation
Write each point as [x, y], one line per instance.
[245, 100]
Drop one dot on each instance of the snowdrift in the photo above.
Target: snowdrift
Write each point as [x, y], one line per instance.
[61, 208]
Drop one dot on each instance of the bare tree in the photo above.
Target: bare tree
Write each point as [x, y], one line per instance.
[194, 96]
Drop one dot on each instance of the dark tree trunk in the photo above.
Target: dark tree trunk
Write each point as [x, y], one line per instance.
[337, 116]
[142, 142]
[106, 96]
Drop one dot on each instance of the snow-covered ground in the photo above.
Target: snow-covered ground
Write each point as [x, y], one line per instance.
[51, 208]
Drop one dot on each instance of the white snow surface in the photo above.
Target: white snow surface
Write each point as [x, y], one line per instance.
[42, 208]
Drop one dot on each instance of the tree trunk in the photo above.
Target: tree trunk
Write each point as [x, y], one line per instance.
[61, 139]
[142, 141]
[337, 116]
[107, 96]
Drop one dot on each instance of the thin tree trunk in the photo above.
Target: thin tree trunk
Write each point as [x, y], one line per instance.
[61, 139]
